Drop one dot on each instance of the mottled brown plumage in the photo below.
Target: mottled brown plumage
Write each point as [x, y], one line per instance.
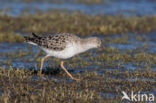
[63, 46]
[56, 42]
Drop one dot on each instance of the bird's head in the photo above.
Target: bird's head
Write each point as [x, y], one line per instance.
[96, 42]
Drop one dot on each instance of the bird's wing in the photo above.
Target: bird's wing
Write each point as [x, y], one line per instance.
[56, 42]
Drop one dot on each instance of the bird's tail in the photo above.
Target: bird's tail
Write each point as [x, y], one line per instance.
[34, 35]
[27, 39]
[31, 40]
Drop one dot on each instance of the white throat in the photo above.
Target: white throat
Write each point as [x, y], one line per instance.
[82, 47]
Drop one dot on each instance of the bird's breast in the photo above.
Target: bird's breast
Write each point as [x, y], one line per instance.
[66, 53]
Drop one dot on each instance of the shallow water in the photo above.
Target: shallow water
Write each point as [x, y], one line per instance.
[112, 7]
[22, 55]
[25, 56]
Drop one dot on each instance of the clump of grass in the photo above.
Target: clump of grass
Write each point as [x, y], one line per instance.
[125, 58]
[18, 85]
[10, 37]
[76, 23]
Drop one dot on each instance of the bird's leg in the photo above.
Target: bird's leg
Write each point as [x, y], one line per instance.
[67, 71]
[42, 61]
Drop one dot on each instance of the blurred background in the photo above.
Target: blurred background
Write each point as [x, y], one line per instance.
[127, 29]
[91, 7]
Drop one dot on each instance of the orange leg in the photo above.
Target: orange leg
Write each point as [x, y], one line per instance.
[67, 71]
[42, 62]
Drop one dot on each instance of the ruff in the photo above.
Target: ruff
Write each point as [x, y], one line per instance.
[63, 45]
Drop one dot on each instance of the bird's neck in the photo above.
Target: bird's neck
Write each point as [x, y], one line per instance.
[85, 45]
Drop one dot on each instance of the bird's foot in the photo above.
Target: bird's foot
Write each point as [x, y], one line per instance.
[40, 74]
[75, 79]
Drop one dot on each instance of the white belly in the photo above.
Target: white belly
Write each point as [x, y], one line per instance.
[64, 54]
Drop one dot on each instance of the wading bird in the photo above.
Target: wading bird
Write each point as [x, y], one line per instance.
[62, 46]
